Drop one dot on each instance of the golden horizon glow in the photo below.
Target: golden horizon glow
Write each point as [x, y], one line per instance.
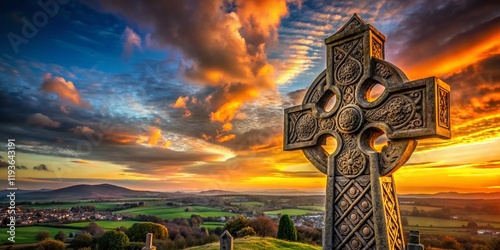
[209, 114]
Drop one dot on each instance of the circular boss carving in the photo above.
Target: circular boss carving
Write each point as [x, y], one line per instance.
[351, 163]
[348, 72]
[350, 119]
[305, 126]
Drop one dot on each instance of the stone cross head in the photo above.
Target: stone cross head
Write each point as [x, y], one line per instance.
[362, 211]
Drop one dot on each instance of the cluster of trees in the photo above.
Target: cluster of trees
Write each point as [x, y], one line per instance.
[459, 243]
[93, 236]
[240, 226]
[446, 212]
[442, 213]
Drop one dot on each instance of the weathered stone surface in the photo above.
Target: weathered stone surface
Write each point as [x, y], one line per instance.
[362, 210]
[414, 243]
[226, 241]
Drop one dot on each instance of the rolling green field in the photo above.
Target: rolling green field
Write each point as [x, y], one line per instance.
[175, 212]
[28, 234]
[427, 222]
[98, 206]
[292, 211]
[248, 203]
[106, 224]
[485, 217]
[450, 231]
[256, 243]
[410, 208]
[213, 225]
[315, 207]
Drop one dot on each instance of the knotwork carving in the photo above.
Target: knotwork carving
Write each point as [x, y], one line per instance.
[382, 70]
[348, 72]
[355, 62]
[417, 120]
[352, 25]
[351, 163]
[348, 94]
[337, 55]
[348, 46]
[305, 127]
[358, 51]
[377, 49]
[347, 59]
[349, 141]
[316, 96]
[444, 116]
[390, 154]
[327, 124]
[397, 111]
[393, 225]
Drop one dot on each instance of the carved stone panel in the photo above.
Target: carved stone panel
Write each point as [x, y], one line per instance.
[377, 49]
[392, 217]
[354, 225]
[444, 107]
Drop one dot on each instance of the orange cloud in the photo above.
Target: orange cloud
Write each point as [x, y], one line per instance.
[225, 113]
[224, 45]
[154, 136]
[181, 102]
[224, 138]
[452, 60]
[120, 138]
[65, 90]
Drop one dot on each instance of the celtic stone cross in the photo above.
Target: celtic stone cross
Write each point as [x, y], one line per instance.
[362, 210]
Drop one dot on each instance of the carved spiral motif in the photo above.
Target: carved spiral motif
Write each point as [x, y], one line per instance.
[305, 127]
[351, 163]
[397, 112]
[349, 94]
[348, 72]
[349, 119]
[327, 124]
[382, 70]
[400, 110]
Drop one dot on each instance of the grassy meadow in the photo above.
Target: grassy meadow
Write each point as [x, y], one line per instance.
[292, 211]
[175, 212]
[256, 243]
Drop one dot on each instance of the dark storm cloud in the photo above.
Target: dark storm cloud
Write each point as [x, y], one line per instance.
[476, 89]
[434, 32]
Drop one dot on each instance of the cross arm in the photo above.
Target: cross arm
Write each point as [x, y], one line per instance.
[415, 110]
[304, 127]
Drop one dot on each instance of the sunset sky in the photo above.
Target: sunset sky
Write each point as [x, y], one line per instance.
[189, 95]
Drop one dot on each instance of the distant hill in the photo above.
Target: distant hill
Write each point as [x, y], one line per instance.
[258, 243]
[455, 195]
[101, 191]
[218, 192]
[273, 192]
